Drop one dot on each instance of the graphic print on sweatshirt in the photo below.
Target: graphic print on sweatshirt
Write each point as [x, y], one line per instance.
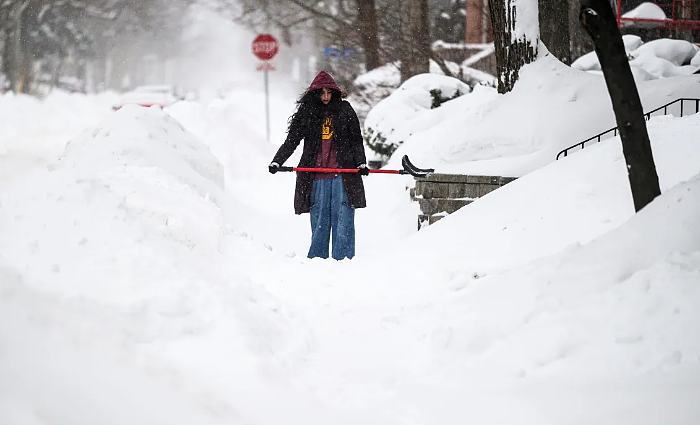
[327, 128]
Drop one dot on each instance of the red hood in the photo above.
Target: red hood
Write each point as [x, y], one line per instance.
[323, 80]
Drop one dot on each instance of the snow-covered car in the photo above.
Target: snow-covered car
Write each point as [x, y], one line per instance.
[70, 84]
[147, 96]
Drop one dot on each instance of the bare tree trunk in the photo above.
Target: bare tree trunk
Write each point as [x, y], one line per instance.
[56, 73]
[4, 51]
[4, 36]
[581, 43]
[554, 28]
[415, 57]
[511, 53]
[368, 28]
[26, 74]
[598, 18]
[18, 64]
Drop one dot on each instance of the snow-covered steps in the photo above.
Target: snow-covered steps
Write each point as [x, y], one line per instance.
[442, 194]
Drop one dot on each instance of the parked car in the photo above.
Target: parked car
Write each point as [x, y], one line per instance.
[147, 96]
[71, 84]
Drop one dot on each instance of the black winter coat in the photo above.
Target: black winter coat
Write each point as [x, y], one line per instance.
[349, 147]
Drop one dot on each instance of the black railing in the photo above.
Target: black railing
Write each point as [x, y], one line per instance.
[597, 138]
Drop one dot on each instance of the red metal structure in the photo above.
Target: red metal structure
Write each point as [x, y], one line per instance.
[678, 15]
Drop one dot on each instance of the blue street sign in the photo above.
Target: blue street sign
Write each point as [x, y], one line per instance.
[338, 53]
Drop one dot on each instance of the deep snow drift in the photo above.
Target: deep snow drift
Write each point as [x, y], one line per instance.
[111, 268]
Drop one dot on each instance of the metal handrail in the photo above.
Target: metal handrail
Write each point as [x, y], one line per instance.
[647, 117]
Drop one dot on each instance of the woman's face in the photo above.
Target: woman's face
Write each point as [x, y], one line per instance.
[326, 95]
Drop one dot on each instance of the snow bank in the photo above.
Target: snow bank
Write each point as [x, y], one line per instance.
[138, 175]
[599, 329]
[569, 201]
[618, 307]
[520, 131]
[553, 281]
[149, 137]
[110, 261]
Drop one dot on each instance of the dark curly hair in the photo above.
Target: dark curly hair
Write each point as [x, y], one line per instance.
[310, 110]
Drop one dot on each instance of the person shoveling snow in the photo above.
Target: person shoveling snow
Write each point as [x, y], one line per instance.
[332, 139]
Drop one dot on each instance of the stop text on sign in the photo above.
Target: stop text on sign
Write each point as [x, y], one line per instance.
[265, 46]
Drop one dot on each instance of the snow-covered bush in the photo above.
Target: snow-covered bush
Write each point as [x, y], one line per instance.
[397, 117]
[660, 58]
[370, 88]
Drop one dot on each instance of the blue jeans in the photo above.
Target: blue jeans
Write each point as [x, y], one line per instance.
[331, 214]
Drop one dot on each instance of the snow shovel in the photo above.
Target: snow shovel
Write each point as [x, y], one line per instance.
[408, 168]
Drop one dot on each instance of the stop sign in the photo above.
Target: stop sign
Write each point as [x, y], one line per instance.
[265, 46]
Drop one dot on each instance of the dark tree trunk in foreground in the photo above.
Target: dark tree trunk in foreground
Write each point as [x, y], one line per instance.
[598, 19]
[367, 18]
[511, 55]
[554, 28]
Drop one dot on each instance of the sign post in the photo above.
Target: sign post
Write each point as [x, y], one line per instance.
[265, 47]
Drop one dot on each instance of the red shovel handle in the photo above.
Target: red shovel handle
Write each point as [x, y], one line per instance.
[338, 170]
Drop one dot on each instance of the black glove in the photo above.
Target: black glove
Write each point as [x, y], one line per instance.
[273, 167]
[363, 170]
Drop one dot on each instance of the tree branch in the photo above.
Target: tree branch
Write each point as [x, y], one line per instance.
[321, 14]
[441, 63]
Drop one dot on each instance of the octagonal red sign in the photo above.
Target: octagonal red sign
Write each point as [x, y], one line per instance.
[265, 46]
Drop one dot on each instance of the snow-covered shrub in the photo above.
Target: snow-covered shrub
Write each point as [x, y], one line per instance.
[678, 52]
[378, 144]
[439, 99]
[397, 117]
[660, 58]
[370, 88]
